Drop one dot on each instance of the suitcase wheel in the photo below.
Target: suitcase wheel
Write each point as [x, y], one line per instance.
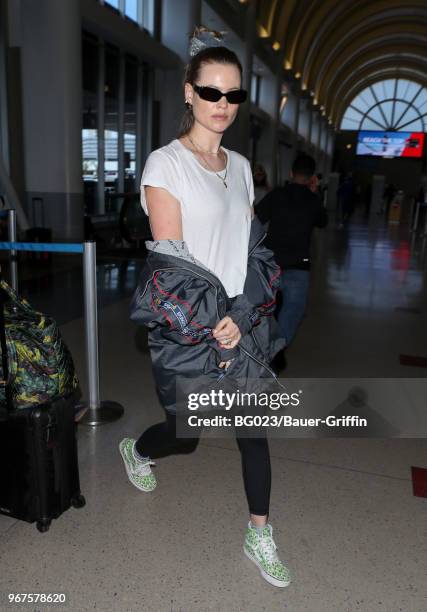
[78, 501]
[43, 525]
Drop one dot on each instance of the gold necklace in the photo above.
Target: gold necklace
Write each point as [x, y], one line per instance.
[208, 164]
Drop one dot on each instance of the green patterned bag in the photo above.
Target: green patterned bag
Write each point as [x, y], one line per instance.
[40, 365]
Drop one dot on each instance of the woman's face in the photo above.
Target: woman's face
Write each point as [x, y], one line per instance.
[215, 116]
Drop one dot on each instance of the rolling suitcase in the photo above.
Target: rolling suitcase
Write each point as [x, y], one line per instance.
[39, 475]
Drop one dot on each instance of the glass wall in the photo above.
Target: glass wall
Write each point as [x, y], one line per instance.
[392, 104]
[141, 12]
[288, 106]
[113, 3]
[114, 105]
[131, 9]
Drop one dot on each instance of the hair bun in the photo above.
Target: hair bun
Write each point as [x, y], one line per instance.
[202, 38]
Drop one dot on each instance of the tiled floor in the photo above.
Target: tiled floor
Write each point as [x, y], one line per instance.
[343, 512]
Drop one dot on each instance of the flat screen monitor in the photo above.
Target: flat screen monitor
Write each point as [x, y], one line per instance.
[390, 144]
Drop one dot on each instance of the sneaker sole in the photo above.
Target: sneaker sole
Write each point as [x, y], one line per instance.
[267, 577]
[129, 473]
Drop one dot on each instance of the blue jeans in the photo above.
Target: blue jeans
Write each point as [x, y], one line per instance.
[294, 285]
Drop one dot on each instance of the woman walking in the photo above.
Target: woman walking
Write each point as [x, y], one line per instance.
[207, 289]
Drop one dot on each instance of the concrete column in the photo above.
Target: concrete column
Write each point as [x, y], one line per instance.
[275, 124]
[121, 134]
[11, 137]
[178, 21]
[310, 123]
[247, 63]
[52, 111]
[4, 136]
[141, 129]
[319, 135]
[326, 155]
[100, 114]
[297, 93]
[330, 139]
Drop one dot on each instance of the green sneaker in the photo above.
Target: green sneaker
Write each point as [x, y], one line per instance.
[139, 472]
[261, 549]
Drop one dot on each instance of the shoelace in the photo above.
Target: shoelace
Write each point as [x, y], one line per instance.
[268, 549]
[142, 468]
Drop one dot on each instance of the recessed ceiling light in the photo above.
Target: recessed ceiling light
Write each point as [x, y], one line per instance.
[276, 45]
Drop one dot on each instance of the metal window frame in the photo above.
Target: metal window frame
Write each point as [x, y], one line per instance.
[395, 124]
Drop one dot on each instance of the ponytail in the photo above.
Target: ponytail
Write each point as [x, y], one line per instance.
[187, 122]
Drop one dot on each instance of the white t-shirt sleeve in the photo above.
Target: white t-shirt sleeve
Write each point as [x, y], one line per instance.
[250, 184]
[160, 170]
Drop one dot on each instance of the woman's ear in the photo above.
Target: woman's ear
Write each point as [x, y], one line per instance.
[188, 93]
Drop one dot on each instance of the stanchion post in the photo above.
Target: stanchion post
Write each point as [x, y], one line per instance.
[91, 322]
[13, 254]
[97, 412]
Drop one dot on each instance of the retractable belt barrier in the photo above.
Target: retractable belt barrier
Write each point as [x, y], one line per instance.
[97, 411]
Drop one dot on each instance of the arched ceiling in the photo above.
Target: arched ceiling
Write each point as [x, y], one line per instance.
[337, 47]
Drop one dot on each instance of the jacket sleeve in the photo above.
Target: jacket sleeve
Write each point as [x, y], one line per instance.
[178, 304]
[262, 280]
[243, 313]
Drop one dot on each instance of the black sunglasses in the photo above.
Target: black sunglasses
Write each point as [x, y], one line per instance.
[237, 96]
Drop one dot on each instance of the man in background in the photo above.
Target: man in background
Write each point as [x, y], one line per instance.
[293, 211]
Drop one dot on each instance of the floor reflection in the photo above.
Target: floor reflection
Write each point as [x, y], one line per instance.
[373, 268]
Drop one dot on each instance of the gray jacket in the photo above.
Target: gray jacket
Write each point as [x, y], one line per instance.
[181, 301]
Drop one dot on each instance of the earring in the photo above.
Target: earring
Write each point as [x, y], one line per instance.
[188, 105]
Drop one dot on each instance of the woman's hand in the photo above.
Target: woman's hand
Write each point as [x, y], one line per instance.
[227, 333]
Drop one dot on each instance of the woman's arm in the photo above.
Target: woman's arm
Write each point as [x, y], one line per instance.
[164, 213]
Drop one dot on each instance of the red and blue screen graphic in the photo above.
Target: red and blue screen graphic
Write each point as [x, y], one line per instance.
[390, 144]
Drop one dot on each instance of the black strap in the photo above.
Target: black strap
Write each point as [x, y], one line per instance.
[4, 355]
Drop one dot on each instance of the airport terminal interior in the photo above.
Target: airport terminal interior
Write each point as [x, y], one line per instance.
[88, 88]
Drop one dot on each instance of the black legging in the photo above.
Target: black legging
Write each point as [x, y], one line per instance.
[160, 441]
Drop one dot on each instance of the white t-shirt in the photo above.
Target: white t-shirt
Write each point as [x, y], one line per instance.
[215, 220]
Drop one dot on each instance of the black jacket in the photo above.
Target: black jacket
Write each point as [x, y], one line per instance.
[292, 211]
[181, 301]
